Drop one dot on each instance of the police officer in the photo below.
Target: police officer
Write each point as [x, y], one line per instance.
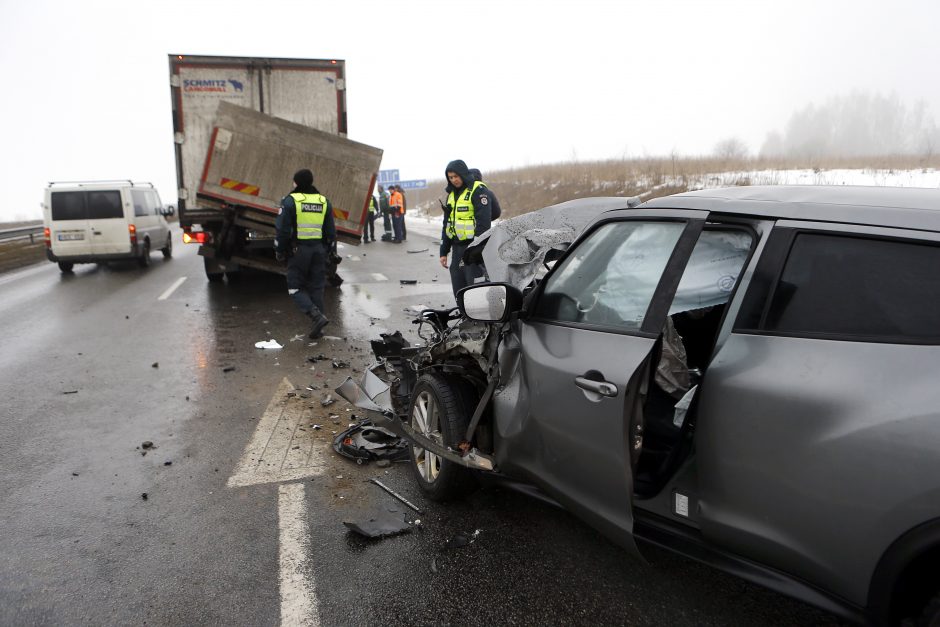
[368, 229]
[305, 234]
[466, 215]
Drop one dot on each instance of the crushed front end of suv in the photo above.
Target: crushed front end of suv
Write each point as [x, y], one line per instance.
[744, 376]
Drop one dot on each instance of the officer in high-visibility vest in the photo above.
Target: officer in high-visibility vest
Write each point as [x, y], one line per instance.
[466, 215]
[368, 229]
[305, 235]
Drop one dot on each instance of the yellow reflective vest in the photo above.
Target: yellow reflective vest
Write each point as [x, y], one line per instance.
[462, 224]
[311, 212]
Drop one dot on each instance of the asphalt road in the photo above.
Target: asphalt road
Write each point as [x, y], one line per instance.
[97, 363]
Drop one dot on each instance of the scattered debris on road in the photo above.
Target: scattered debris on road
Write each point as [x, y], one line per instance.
[408, 281]
[422, 250]
[228, 369]
[396, 495]
[327, 400]
[381, 524]
[143, 495]
[339, 363]
[364, 443]
[70, 392]
[268, 344]
[147, 445]
[155, 364]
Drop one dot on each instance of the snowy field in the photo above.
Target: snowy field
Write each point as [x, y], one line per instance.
[420, 222]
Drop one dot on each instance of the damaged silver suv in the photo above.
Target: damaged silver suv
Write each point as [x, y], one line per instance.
[745, 376]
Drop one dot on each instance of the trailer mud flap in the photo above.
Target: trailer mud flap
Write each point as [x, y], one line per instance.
[374, 396]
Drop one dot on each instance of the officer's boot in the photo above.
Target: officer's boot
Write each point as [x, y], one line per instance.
[319, 321]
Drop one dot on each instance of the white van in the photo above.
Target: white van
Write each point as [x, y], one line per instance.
[97, 221]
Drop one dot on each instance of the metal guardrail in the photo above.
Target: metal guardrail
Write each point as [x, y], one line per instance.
[21, 233]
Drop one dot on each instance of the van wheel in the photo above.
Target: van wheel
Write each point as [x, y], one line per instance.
[144, 260]
[439, 411]
[168, 249]
[66, 266]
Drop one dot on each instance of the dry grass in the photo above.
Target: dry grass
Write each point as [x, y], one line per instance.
[521, 190]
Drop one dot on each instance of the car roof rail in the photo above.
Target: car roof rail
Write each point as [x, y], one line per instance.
[101, 182]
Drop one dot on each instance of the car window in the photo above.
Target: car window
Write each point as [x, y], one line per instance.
[68, 205]
[610, 279]
[104, 204]
[154, 202]
[858, 288]
[141, 204]
[712, 270]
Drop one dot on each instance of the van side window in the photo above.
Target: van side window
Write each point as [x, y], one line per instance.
[858, 288]
[68, 205]
[141, 202]
[154, 202]
[104, 204]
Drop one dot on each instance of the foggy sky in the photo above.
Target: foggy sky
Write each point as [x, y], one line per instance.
[498, 84]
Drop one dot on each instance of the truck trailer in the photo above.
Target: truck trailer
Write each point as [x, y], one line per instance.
[242, 126]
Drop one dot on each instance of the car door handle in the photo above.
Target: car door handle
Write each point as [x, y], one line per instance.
[604, 388]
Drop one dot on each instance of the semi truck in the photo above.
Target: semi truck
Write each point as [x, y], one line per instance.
[241, 127]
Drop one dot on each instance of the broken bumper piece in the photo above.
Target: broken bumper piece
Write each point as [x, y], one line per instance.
[374, 396]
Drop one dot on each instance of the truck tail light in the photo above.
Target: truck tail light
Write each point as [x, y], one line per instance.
[196, 237]
[47, 234]
[132, 230]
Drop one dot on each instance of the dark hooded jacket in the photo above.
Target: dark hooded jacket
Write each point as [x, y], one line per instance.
[286, 221]
[482, 200]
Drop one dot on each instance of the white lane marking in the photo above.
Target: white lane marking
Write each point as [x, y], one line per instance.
[165, 295]
[298, 593]
[378, 276]
[270, 457]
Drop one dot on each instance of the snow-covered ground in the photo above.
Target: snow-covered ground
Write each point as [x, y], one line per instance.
[879, 178]
[419, 222]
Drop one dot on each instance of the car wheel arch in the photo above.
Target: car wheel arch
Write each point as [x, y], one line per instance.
[891, 595]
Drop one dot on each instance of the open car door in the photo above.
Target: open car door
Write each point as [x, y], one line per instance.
[571, 418]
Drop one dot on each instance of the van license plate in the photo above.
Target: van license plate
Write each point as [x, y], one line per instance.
[70, 236]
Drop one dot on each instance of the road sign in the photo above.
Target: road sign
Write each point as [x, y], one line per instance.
[415, 184]
[388, 176]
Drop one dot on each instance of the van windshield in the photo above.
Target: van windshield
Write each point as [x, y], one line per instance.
[90, 205]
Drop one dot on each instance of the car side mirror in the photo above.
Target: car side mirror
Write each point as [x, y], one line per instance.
[489, 302]
[169, 211]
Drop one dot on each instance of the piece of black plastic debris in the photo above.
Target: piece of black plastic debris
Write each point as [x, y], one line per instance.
[146, 444]
[143, 495]
[74, 474]
[365, 443]
[408, 281]
[187, 398]
[379, 524]
[167, 463]
[418, 250]
[155, 364]
[291, 394]
[328, 400]
[70, 392]
[316, 358]
[228, 369]
[338, 363]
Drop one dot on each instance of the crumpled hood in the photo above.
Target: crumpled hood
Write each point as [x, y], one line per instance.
[515, 248]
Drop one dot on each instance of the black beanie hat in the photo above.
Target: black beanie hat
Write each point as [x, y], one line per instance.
[303, 178]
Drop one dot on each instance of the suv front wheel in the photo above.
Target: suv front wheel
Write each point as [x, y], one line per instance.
[439, 411]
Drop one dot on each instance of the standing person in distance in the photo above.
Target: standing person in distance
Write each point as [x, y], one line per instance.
[305, 227]
[369, 226]
[404, 211]
[466, 215]
[396, 204]
[386, 220]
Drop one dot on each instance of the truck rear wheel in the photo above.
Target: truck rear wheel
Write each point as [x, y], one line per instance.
[66, 266]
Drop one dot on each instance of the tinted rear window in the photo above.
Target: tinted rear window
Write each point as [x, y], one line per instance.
[858, 288]
[68, 205]
[90, 205]
[104, 205]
